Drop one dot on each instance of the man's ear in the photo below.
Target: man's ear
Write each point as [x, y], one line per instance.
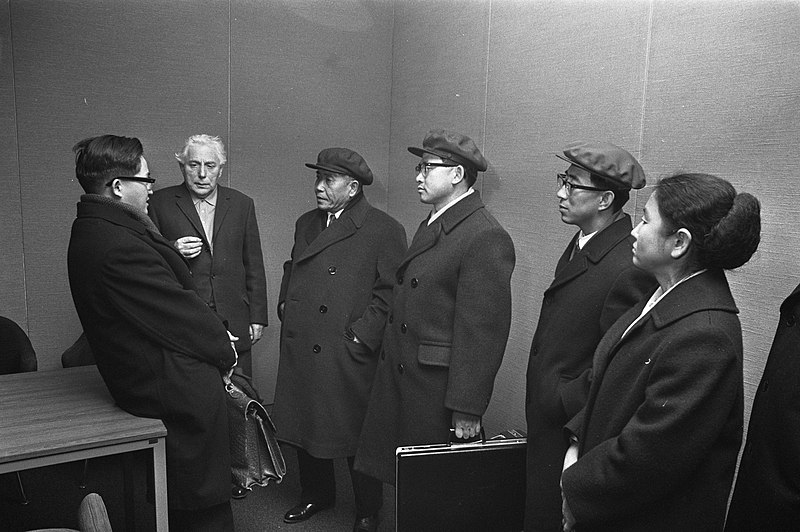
[116, 188]
[354, 188]
[606, 199]
[683, 239]
[458, 174]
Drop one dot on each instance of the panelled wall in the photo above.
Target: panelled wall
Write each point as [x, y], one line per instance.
[684, 85]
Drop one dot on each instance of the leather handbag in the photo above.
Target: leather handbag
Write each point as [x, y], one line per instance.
[256, 457]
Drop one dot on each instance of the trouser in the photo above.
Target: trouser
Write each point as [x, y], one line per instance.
[318, 484]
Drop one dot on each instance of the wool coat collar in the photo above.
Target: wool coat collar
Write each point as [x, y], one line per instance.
[351, 219]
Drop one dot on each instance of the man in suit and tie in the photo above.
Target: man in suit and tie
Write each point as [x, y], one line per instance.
[334, 298]
[595, 283]
[450, 314]
[215, 229]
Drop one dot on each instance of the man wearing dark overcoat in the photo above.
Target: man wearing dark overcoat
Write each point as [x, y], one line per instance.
[333, 302]
[159, 348]
[595, 283]
[450, 316]
[215, 229]
[767, 493]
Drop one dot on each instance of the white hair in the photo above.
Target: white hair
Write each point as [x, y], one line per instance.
[203, 140]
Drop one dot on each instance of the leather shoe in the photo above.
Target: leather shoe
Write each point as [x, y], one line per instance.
[303, 511]
[366, 524]
[238, 492]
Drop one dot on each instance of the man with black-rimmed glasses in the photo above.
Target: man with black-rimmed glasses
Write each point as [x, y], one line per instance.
[595, 282]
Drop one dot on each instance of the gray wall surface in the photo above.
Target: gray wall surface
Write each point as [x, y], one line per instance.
[711, 86]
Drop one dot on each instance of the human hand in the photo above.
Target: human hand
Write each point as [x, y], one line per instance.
[189, 246]
[466, 425]
[256, 329]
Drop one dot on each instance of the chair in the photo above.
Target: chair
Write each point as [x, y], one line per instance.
[92, 517]
[16, 356]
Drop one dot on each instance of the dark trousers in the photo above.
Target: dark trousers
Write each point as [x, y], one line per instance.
[318, 484]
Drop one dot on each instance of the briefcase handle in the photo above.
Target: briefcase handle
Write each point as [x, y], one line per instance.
[453, 440]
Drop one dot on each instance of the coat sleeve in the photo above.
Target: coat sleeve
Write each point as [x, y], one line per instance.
[253, 261]
[691, 389]
[482, 320]
[392, 247]
[142, 287]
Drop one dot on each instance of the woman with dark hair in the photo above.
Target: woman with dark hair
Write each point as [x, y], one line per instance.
[655, 447]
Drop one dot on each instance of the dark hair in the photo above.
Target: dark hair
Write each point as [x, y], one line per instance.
[470, 174]
[100, 159]
[725, 226]
[621, 195]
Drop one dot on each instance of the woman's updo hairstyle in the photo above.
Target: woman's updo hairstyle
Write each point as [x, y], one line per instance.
[725, 226]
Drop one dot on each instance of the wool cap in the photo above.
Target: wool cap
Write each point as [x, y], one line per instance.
[343, 161]
[452, 146]
[607, 161]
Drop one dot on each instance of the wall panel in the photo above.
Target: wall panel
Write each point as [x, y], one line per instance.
[12, 260]
[556, 75]
[724, 98]
[304, 76]
[143, 68]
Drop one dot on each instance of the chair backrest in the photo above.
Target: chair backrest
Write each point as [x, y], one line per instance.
[92, 517]
[16, 352]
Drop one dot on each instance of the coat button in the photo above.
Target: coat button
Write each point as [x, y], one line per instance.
[791, 319]
[332, 270]
[323, 309]
[414, 282]
[383, 355]
[403, 328]
[391, 318]
[400, 280]
[401, 368]
[316, 348]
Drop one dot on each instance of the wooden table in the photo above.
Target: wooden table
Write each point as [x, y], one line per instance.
[63, 415]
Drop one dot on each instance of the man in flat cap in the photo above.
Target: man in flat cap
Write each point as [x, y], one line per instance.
[215, 229]
[595, 282]
[450, 315]
[333, 303]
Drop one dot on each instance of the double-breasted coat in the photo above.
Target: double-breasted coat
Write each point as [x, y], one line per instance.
[338, 278]
[661, 431]
[588, 294]
[446, 334]
[158, 347]
[767, 493]
[232, 277]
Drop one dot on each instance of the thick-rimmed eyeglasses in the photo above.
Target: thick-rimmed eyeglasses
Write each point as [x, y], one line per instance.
[149, 180]
[562, 180]
[424, 168]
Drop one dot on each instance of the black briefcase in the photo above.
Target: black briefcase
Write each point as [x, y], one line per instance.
[462, 486]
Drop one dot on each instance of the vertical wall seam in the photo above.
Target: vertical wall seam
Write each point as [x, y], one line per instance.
[19, 166]
[645, 82]
[391, 112]
[486, 86]
[230, 60]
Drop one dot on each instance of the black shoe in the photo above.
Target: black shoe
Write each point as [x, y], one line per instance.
[366, 524]
[303, 511]
[238, 492]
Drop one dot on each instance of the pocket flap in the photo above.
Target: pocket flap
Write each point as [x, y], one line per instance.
[434, 355]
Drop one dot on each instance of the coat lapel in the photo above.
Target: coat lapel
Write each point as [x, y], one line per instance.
[348, 223]
[221, 209]
[184, 202]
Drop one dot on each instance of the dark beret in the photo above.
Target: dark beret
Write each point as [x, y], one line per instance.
[452, 146]
[607, 161]
[343, 161]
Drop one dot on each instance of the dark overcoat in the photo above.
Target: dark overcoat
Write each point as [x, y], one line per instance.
[159, 348]
[587, 295]
[660, 433]
[446, 334]
[337, 278]
[767, 494]
[233, 275]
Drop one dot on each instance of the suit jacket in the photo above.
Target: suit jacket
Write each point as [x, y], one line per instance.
[158, 346]
[662, 427]
[767, 494]
[446, 334]
[337, 278]
[587, 295]
[233, 276]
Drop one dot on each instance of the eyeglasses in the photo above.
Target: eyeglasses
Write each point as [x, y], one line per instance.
[562, 180]
[150, 180]
[424, 168]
